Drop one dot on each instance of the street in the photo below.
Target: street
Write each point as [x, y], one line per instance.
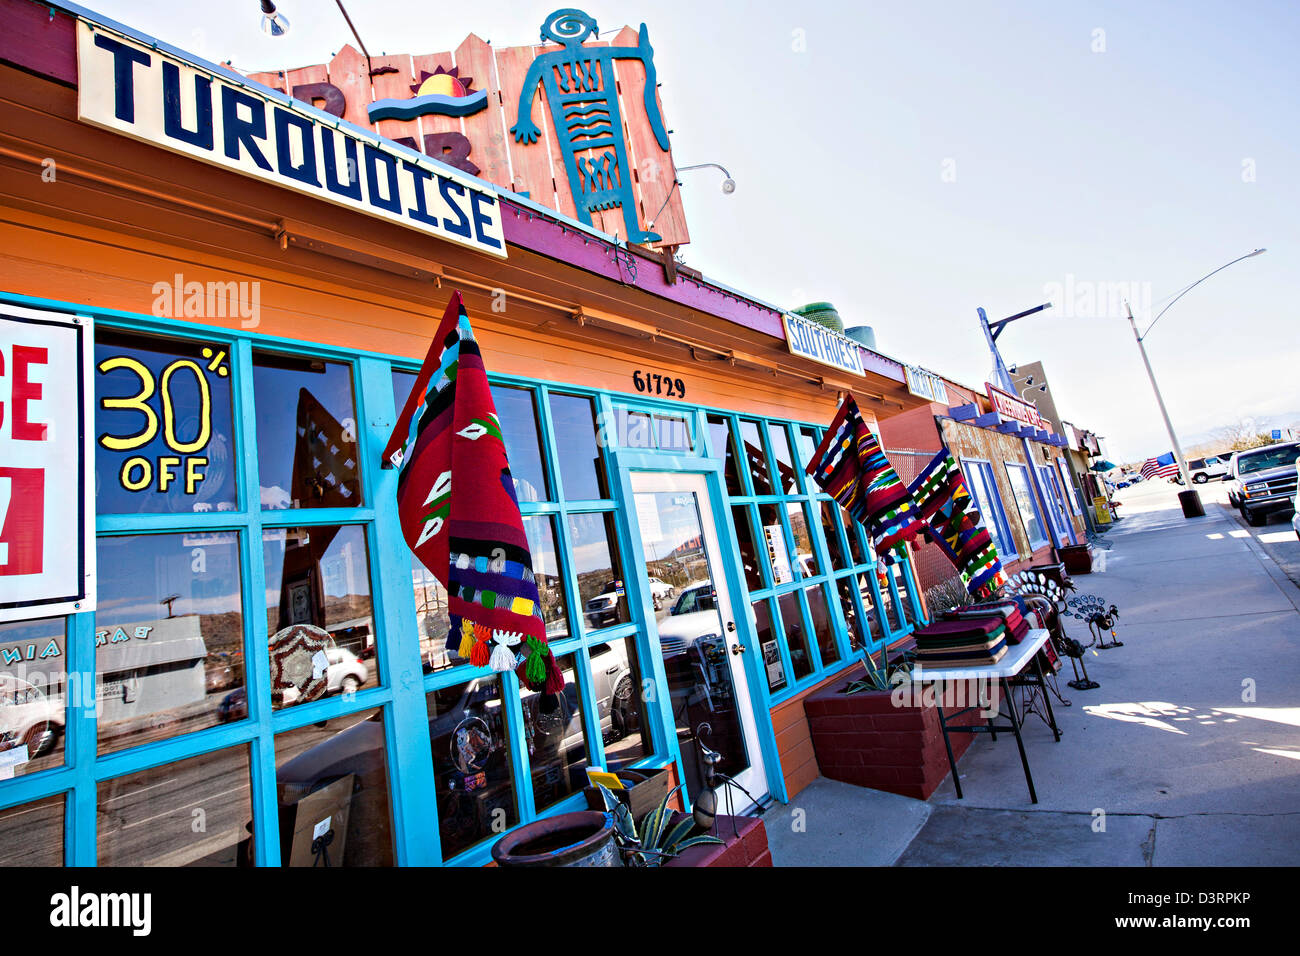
[1187, 754]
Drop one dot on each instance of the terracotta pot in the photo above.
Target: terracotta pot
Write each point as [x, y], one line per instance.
[584, 838]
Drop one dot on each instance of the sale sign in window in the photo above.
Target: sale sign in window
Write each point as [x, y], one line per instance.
[47, 553]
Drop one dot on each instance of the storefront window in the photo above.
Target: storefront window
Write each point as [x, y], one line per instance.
[772, 542]
[432, 620]
[796, 637]
[852, 533]
[169, 636]
[557, 743]
[857, 635]
[635, 428]
[823, 628]
[674, 433]
[784, 461]
[196, 812]
[33, 695]
[755, 458]
[768, 645]
[517, 412]
[331, 782]
[900, 583]
[319, 576]
[582, 471]
[471, 763]
[806, 440]
[306, 433]
[724, 446]
[1019, 478]
[616, 685]
[805, 555]
[826, 509]
[748, 547]
[599, 571]
[31, 834]
[164, 441]
[546, 572]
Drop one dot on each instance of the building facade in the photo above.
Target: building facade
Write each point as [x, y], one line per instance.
[258, 319]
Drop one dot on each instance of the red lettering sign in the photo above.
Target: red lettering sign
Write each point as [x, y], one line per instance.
[22, 520]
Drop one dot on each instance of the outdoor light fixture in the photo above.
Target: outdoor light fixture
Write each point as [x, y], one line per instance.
[274, 23]
[728, 187]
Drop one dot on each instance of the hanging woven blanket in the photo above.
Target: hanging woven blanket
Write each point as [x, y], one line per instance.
[953, 522]
[458, 510]
[850, 466]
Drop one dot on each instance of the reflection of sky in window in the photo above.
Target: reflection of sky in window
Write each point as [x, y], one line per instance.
[591, 545]
[137, 571]
[342, 566]
[518, 417]
[679, 523]
[575, 445]
[276, 399]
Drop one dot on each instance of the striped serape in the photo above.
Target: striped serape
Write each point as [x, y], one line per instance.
[850, 466]
[457, 506]
[953, 522]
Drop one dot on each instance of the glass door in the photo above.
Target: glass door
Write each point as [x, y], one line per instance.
[696, 634]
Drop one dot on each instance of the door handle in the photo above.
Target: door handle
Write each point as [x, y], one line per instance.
[737, 648]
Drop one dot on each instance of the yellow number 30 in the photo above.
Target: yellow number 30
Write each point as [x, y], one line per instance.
[138, 402]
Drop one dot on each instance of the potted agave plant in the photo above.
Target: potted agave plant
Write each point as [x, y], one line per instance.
[659, 838]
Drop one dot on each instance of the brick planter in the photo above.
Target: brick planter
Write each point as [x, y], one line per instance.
[745, 845]
[864, 739]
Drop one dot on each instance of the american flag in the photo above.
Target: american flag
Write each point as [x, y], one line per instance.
[1162, 467]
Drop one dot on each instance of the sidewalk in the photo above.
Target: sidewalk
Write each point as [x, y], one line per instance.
[1171, 754]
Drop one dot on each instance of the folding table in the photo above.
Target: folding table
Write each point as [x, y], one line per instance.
[1010, 666]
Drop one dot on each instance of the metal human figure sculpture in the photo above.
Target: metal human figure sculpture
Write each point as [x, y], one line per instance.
[579, 84]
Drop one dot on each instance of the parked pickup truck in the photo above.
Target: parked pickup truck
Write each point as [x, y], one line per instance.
[1263, 480]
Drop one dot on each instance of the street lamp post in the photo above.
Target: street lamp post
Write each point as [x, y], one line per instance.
[1188, 497]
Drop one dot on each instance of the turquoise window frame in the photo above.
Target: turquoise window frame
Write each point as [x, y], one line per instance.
[811, 498]
[409, 768]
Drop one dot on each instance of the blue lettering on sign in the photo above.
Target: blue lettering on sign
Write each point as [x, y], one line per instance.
[446, 187]
[821, 344]
[124, 60]
[419, 176]
[352, 187]
[275, 141]
[237, 130]
[305, 172]
[201, 136]
[393, 201]
[481, 219]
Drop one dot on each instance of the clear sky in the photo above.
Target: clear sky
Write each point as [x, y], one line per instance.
[910, 161]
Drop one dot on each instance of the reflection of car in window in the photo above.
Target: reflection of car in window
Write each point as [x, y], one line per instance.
[603, 609]
[28, 717]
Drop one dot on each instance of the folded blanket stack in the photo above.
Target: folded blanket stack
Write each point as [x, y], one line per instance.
[1007, 611]
[972, 642]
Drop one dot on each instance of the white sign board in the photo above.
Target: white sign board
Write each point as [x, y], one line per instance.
[153, 96]
[47, 508]
[925, 384]
[812, 341]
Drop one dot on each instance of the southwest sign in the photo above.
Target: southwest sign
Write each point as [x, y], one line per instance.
[812, 341]
[152, 96]
[1009, 406]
